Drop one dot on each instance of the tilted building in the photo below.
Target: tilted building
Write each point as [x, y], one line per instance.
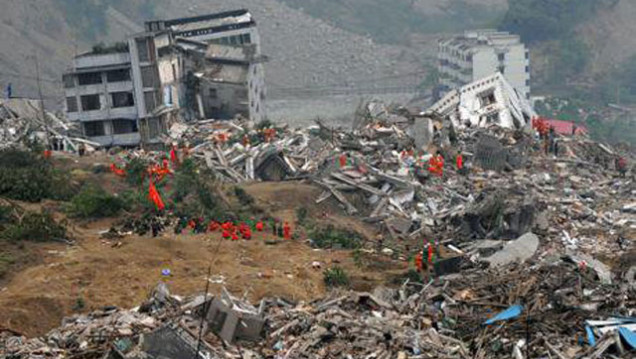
[131, 94]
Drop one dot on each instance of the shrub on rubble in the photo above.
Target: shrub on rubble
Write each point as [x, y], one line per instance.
[336, 277]
[331, 237]
[34, 226]
[135, 170]
[301, 215]
[27, 176]
[94, 202]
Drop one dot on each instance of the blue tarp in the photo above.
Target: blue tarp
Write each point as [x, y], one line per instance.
[590, 336]
[628, 336]
[507, 314]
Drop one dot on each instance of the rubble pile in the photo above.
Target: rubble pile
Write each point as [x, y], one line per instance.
[23, 120]
[521, 311]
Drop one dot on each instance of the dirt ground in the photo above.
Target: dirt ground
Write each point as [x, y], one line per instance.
[55, 278]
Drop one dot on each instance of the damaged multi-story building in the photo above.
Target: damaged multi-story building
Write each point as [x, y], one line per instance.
[480, 53]
[204, 67]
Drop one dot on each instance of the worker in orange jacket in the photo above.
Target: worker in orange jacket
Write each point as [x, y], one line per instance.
[419, 265]
[459, 161]
[259, 226]
[286, 231]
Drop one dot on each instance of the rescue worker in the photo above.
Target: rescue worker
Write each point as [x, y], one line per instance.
[226, 234]
[260, 226]
[287, 231]
[621, 166]
[459, 161]
[342, 160]
[419, 265]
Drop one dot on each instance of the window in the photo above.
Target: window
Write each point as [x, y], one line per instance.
[469, 57]
[118, 75]
[122, 99]
[142, 48]
[240, 93]
[527, 55]
[174, 72]
[487, 98]
[148, 76]
[94, 129]
[212, 94]
[71, 104]
[527, 69]
[69, 81]
[501, 69]
[501, 56]
[90, 103]
[124, 126]
[527, 82]
[151, 101]
[246, 39]
[91, 78]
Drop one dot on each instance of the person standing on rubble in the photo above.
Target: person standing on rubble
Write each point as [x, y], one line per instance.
[621, 166]
[460, 161]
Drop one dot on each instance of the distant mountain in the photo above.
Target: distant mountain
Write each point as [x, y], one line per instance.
[316, 44]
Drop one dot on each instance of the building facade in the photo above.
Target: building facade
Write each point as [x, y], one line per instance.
[133, 93]
[100, 95]
[479, 54]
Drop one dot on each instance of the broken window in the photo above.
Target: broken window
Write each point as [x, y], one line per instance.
[151, 101]
[94, 129]
[240, 93]
[124, 126]
[90, 103]
[148, 76]
[142, 48]
[91, 78]
[71, 104]
[69, 81]
[493, 118]
[212, 94]
[122, 99]
[487, 98]
[118, 75]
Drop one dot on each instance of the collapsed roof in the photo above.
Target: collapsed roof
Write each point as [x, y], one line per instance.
[491, 100]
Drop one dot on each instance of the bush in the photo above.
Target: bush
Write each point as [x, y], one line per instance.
[336, 277]
[94, 202]
[35, 226]
[135, 170]
[331, 237]
[301, 215]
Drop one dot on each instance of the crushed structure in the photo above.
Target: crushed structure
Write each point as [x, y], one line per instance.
[490, 100]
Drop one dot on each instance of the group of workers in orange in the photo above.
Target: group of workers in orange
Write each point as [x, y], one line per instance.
[243, 230]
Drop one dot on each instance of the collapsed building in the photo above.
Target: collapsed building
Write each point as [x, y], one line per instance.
[491, 100]
[133, 92]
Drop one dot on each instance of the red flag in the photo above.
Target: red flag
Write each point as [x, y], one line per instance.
[154, 196]
[173, 155]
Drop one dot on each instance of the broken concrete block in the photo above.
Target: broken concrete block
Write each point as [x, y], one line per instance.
[518, 250]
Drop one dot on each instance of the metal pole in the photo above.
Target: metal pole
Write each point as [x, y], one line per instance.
[206, 308]
[37, 74]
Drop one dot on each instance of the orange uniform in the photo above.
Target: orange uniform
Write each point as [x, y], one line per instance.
[260, 226]
[418, 261]
[460, 162]
[286, 231]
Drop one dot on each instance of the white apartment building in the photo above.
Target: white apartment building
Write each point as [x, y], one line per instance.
[480, 53]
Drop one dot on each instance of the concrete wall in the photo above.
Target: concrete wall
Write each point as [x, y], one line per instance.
[101, 60]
